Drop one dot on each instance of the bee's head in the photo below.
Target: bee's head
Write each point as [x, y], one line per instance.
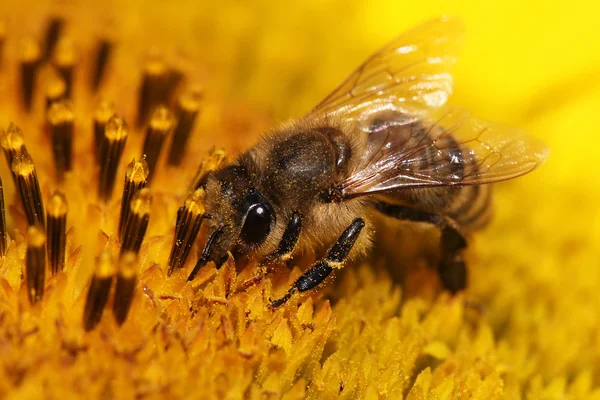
[241, 217]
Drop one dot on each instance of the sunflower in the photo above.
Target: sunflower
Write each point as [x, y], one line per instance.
[97, 240]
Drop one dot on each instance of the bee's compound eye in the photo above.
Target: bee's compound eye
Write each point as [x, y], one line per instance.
[257, 224]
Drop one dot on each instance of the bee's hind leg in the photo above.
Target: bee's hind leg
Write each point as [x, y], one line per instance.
[451, 269]
[321, 269]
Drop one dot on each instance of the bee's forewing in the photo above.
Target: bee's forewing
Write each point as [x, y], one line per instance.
[397, 98]
[414, 70]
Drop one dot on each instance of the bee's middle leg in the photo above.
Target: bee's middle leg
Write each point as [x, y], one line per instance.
[321, 269]
[451, 269]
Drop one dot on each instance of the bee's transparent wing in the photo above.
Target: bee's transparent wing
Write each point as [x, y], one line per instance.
[397, 98]
[413, 70]
[442, 147]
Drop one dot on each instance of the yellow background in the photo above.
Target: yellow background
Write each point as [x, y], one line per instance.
[531, 64]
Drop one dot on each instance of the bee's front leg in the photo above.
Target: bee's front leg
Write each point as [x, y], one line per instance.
[321, 269]
[288, 240]
[283, 252]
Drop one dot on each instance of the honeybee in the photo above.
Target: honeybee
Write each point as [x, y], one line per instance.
[383, 142]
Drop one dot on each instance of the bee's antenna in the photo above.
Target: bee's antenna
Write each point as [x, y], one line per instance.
[205, 253]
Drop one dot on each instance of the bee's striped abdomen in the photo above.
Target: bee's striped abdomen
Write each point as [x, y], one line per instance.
[471, 206]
